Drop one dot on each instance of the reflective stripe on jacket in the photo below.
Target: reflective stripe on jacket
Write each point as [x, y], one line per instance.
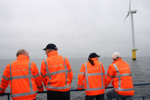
[16, 92]
[56, 74]
[120, 72]
[23, 77]
[92, 78]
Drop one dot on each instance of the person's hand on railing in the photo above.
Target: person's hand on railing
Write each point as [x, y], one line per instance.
[79, 89]
[2, 94]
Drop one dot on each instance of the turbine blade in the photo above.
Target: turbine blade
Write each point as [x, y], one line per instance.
[129, 10]
[129, 5]
[126, 16]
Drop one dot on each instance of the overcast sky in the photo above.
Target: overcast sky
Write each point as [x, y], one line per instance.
[77, 27]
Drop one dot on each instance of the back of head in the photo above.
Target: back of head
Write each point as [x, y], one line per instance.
[21, 52]
[116, 55]
[92, 55]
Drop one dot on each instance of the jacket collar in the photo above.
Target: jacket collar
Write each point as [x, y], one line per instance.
[52, 53]
[118, 60]
[94, 59]
[22, 58]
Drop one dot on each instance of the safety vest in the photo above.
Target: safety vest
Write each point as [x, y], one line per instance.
[62, 72]
[122, 88]
[90, 85]
[26, 89]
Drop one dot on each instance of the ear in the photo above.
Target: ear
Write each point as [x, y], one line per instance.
[49, 50]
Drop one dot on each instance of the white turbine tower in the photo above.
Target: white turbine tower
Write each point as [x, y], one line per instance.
[130, 13]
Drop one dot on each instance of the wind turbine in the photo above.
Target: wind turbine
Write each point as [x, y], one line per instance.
[130, 13]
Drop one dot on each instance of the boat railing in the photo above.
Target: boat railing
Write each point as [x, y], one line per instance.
[137, 84]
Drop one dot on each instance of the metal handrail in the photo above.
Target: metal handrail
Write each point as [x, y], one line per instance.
[136, 84]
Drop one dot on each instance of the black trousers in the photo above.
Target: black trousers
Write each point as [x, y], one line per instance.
[98, 97]
[57, 95]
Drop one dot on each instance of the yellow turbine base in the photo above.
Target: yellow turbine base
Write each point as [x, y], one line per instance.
[134, 54]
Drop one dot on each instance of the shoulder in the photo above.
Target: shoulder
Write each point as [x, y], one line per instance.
[64, 58]
[44, 60]
[33, 63]
[111, 66]
[85, 64]
[100, 62]
[8, 66]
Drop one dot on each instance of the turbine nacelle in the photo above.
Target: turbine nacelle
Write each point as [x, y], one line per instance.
[132, 11]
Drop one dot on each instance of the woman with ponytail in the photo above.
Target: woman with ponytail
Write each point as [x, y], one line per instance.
[91, 78]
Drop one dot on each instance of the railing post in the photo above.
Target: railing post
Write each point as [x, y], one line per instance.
[8, 97]
[143, 98]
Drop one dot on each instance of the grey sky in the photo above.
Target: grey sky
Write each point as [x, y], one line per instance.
[77, 27]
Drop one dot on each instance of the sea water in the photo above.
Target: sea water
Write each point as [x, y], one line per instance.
[140, 74]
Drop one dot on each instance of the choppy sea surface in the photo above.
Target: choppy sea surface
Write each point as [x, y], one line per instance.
[140, 74]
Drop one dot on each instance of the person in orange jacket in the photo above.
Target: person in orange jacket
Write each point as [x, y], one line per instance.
[92, 78]
[120, 72]
[23, 77]
[56, 74]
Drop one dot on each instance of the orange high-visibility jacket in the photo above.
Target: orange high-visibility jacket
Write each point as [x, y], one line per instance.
[23, 77]
[92, 78]
[56, 72]
[120, 72]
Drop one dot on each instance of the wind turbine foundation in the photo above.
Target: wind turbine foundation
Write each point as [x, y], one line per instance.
[134, 54]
